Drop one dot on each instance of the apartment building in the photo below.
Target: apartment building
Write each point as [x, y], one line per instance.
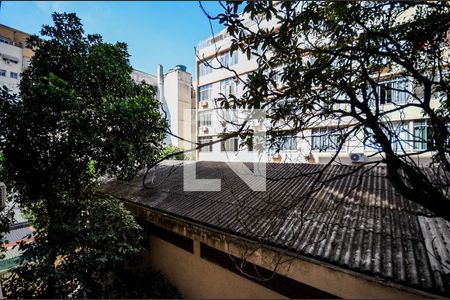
[175, 92]
[14, 56]
[317, 144]
[176, 95]
[212, 83]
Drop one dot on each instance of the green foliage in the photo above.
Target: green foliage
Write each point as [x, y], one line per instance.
[79, 116]
[95, 246]
[173, 152]
[324, 63]
[6, 214]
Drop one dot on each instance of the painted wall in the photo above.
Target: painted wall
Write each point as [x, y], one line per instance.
[16, 50]
[195, 277]
[198, 278]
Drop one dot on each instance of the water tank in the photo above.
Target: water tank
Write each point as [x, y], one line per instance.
[181, 67]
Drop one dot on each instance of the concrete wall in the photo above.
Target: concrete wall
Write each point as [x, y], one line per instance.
[177, 94]
[195, 277]
[198, 278]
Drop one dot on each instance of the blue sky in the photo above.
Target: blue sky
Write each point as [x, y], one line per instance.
[159, 32]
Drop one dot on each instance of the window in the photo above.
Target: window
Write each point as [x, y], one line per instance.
[8, 59]
[258, 52]
[5, 40]
[13, 75]
[3, 73]
[399, 138]
[231, 144]
[204, 69]
[204, 92]
[229, 86]
[392, 91]
[205, 140]
[229, 59]
[324, 139]
[288, 142]
[204, 118]
[423, 139]
[397, 133]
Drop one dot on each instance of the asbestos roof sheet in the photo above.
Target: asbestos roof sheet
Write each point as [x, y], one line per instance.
[358, 221]
[18, 234]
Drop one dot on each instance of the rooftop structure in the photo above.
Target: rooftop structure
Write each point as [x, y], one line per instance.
[356, 225]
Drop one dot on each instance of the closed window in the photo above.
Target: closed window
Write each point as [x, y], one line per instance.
[324, 139]
[204, 118]
[399, 136]
[391, 91]
[204, 68]
[422, 135]
[204, 92]
[205, 140]
[3, 73]
[14, 75]
[231, 144]
[229, 59]
[229, 86]
[397, 133]
[288, 142]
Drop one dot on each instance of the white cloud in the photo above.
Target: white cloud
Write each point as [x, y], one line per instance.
[52, 6]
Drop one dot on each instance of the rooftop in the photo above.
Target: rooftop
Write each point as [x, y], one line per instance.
[357, 222]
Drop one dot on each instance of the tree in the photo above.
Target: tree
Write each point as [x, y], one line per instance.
[173, 152]
[79, 116]
[339, 63]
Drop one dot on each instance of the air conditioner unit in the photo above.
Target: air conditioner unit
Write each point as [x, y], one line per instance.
[204, 104]
[2, 194]
[357, 157]
[205, 129]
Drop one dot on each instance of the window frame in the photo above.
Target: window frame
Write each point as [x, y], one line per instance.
[205, 139]
[205, 118]
[225, 145]
[202, 90]
[324, 139]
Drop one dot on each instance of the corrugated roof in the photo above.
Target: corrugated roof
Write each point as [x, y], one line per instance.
[358, 222]
[18, 234]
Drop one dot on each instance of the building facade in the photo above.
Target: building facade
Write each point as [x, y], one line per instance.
[176, 95]
[348, 239]
[317, 144]
[14, 56]
[174, 91]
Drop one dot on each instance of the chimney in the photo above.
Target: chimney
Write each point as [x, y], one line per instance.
[160, 78]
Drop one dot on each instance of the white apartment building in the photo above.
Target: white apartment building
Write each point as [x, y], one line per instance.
[176, 95]
[174, 91]
[315, 145]
[14, 56]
